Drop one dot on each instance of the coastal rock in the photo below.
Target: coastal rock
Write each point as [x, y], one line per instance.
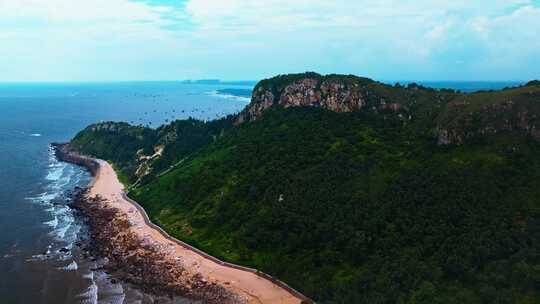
[135, 261]
[338, 94]
[460, 117]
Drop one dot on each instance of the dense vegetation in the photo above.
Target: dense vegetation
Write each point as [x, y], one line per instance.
[351, 207]
[124, 145]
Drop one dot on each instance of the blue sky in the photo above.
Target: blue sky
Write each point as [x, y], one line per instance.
[102, 40]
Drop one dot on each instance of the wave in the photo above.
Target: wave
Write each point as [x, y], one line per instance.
[112, 293]
[42, 257]
[57, 177]
[61, 233]
[100, 284]
[52, 223]
[44, 198]
[90, 296]
[89, 276]
[35, 135]
[56, 170]
[228, 96]
[71, 267]
[64, 228]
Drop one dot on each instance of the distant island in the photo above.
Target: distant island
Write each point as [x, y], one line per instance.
[349, 190]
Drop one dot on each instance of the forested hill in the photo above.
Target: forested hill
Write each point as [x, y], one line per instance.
[350, 190]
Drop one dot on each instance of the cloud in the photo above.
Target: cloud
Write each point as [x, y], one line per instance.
[157, 39]
[421, 39]
[83, 40]
[79, 11]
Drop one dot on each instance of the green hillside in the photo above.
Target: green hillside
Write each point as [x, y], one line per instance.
[434, 199]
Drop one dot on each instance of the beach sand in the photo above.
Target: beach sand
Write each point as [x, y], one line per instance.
[246, 284]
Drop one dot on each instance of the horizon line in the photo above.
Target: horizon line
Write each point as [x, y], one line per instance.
[225, 81]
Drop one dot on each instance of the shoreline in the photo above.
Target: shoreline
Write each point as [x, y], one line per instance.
[191, 272]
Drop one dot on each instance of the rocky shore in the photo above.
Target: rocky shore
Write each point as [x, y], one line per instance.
[138, 261]
[135, 259]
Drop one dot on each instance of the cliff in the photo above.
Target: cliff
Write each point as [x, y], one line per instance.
[478, 115]
[354, 191]
[338, 93]
[454, 117]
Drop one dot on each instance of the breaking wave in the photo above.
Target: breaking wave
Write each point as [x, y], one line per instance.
[228, 96]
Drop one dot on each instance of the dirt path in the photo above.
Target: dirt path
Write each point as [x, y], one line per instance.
[247, 284]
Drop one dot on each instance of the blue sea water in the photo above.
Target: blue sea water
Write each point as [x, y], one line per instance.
[468, 86]
[35, 221]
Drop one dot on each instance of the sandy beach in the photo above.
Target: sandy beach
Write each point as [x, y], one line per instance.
[250, 287]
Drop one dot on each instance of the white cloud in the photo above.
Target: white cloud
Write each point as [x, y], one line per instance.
[79, 11]
[412, 35]
[83, 40]
[112, 39]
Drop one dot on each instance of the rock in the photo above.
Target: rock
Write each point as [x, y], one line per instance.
[332, 92]
[132, 260]
[64, 250]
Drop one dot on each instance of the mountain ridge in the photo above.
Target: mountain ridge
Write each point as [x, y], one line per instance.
[340, 93]
[352, 206]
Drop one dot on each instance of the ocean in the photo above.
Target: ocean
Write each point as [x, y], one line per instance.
[35, 219]
[41, 238]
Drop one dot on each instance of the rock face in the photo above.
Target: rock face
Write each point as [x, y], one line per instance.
[132, 258]
[335, 93]
[64, 152]
[515, 110]
[452, 117]
[137, 261]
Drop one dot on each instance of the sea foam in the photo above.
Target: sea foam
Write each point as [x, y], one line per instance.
[228, 96]
[52, 223]
[71, 267]
[90, 296]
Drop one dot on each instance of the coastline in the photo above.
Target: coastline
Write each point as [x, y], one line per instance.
[127, 237]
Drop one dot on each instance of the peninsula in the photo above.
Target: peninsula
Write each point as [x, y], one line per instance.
[345, 188]
[197, 275]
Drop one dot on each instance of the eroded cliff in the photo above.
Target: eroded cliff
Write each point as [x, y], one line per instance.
[451, 117]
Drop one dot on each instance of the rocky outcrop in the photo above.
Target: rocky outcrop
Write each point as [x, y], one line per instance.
[137, 261]
[333, 92]
[517, 110]
[64, 152]
[134, 259]
[460, 116]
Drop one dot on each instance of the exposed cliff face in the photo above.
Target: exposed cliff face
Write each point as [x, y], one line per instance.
[333, 92]
[489, 113]
[269, 185]
[452, 116]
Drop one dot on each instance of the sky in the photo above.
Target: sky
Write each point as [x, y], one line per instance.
[117, 40]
